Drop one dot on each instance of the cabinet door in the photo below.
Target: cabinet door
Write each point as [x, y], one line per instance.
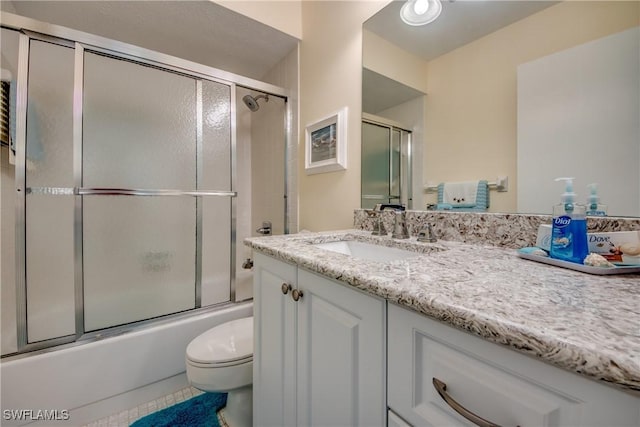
[493, 382]
[274, 343]
[341, 355]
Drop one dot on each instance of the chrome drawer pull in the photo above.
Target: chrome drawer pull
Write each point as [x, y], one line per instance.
[441, 388]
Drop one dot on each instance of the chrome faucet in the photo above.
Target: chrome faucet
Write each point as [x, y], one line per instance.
[427, 235]
[378, 225]
[400, 226]
[265, 230]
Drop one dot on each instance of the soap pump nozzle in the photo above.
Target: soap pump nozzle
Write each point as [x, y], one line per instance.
[568, 197]
[593, 199]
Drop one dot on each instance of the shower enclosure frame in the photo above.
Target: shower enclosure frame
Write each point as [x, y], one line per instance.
[405, 172]
[81, 41]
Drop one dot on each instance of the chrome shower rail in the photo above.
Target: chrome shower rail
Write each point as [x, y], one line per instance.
[81, 191]
[139, 192]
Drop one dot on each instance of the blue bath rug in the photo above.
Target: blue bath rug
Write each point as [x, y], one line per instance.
[199, 411]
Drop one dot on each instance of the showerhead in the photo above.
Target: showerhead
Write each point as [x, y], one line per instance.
[252, 102]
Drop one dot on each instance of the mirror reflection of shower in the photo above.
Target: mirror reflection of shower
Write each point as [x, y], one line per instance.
[252, 102]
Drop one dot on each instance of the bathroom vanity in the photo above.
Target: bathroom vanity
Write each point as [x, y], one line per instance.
[319, 353]
[345, 340]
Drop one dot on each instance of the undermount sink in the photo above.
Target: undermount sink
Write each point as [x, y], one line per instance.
[366, 251]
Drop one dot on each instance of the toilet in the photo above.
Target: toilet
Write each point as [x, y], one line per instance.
[221, 360]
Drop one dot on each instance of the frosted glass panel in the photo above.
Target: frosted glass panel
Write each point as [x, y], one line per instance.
[49, 219]
[216, 136]
[375, 165]
[139, 126]
[395, 161]
[216, 250]
[50, 115]
[216, 175]
[50, 267]
[139, 258]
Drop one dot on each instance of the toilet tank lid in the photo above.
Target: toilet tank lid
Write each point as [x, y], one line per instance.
[224, 343]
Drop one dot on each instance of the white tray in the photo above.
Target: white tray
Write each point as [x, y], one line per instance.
[580, 267]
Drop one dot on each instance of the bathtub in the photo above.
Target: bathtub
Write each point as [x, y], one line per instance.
[83, 382]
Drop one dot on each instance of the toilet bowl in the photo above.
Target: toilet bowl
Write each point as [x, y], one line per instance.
[221, 360]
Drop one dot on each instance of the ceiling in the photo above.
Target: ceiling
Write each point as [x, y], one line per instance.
[380, 92]
[200, 31]
[460, 22]
[210, 34]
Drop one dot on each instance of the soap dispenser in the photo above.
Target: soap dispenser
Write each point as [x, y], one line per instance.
[594, 207]
[569, 227]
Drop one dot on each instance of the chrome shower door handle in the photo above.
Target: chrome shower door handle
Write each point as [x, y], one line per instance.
[441, 388]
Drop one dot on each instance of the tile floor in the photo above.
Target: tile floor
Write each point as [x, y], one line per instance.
[127, 417]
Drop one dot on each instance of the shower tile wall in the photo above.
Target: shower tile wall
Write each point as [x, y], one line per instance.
[250, 213]
[285, 74]
[244, 278]
[268, 165]
[260, 152]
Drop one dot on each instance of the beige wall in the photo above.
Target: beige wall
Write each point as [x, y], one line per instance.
[285, 16]
[389, 60]
[331, 78]
[471, 102]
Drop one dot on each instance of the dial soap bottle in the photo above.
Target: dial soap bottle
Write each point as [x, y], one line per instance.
[569, 227]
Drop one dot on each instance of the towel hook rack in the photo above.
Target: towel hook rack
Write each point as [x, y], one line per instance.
[501, 185]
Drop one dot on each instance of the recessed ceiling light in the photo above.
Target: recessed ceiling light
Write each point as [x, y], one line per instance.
[420, 12]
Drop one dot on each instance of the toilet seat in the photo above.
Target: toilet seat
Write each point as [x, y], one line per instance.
[220, 360]
[220, 364]
[228, 344]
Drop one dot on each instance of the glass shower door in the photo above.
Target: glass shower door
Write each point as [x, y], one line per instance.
[143, 131]
[375, 165]
[127, 199]
[385, 165]
[49, 246]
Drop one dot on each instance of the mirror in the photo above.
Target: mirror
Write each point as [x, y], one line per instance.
[488, 107]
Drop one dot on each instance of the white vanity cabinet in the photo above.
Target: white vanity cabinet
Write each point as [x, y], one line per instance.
[494, 383]
[320, 360]
[274, 352]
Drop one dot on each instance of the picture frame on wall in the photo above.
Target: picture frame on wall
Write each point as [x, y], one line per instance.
[326, 144]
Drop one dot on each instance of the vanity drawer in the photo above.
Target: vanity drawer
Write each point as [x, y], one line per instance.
[393, 420]
[494, 383]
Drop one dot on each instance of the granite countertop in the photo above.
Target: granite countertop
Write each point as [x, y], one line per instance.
[588, 324]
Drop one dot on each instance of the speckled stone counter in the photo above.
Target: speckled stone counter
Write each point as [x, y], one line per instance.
[498, 229]
[584, 323]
